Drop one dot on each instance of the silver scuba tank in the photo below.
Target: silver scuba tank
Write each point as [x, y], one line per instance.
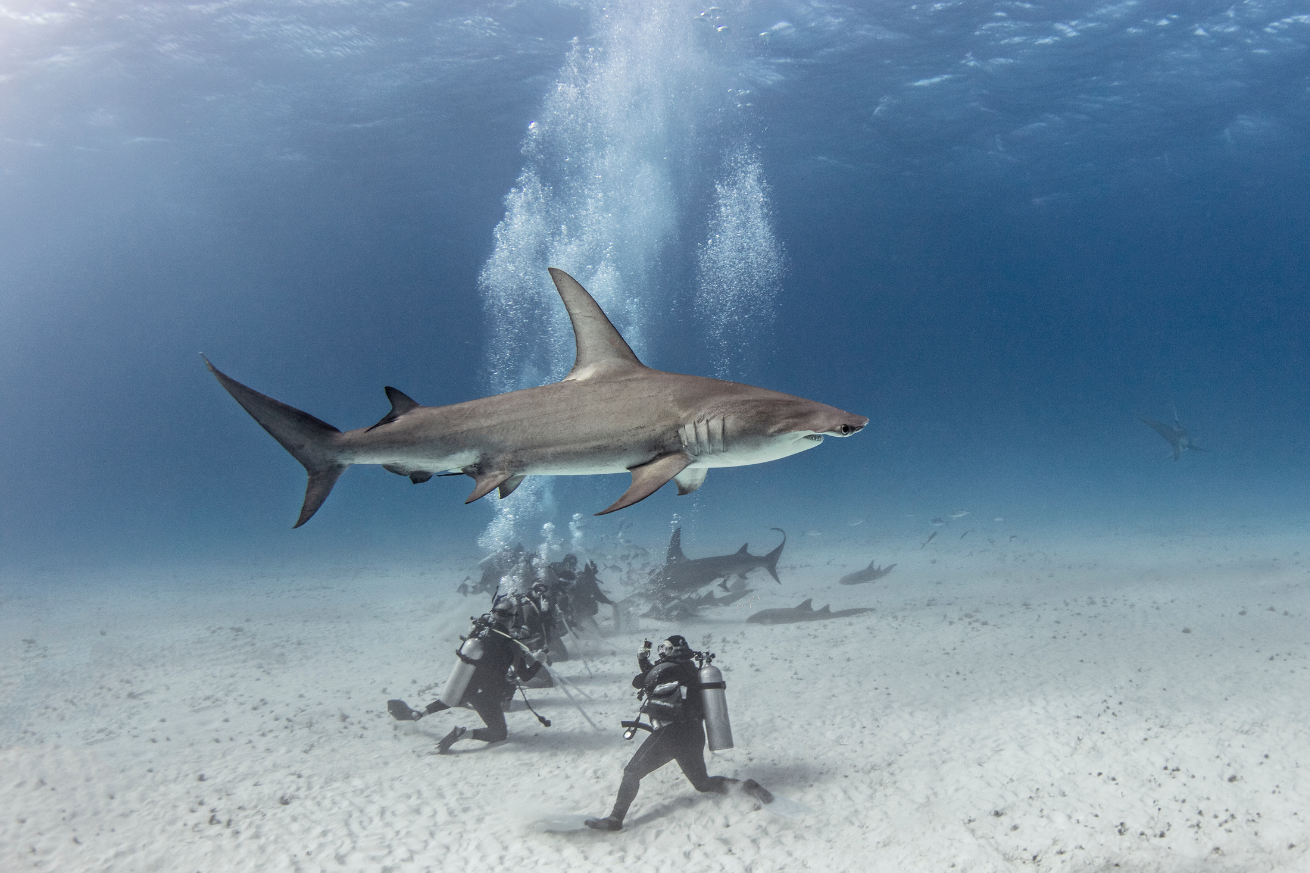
[715, 703]
[468, 656]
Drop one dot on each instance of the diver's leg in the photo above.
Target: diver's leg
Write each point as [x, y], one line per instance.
[493, 716]
[691, 758]
[654, 753]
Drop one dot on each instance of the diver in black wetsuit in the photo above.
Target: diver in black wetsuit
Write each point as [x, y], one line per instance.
[671, 689]
[492, 681]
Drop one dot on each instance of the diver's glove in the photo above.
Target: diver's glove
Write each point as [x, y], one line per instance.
[644, 651]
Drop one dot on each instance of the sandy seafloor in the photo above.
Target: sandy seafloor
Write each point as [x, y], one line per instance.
[1091, 700]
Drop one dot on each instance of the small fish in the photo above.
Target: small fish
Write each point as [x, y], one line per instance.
[856, 523]
[931, 536]
[959, 513]
[868, 574]
[966, 533]
[939, 521]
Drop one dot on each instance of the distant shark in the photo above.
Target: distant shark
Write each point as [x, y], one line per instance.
[610, 414]
[1179, 440]
[804, 612]
[682, 574]
[868, 574]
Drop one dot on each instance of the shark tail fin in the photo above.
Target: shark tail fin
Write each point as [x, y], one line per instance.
[772, 557]
[310, 441]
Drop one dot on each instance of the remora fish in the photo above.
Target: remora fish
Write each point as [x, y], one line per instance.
[1176, 435]
[681, 573]
[803, 612]
[610, 414]
[868, 574]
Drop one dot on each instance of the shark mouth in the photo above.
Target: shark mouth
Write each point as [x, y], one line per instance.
[817, 437]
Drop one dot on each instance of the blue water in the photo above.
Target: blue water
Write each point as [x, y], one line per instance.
[1001, 230]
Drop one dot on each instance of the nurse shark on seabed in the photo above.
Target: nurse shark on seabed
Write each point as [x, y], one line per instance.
[869, 574]
[681, 574]
[804, 612]
[610, 414]
[1176, 435]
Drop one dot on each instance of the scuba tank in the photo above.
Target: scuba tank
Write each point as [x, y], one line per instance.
[469, 654]
[715, 703]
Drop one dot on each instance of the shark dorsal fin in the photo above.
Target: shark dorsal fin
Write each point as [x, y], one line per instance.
[675, 547]
[400, 404]
[807, 606]
[601, 350]
[742, 550]
[827, 608]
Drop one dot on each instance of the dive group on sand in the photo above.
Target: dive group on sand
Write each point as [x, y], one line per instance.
[681, 693]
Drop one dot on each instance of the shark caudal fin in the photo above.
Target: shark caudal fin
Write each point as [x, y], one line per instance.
[311, 442]
[772, 557]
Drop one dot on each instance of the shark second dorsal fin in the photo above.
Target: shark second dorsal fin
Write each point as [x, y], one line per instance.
[601, 349]
[827, 608]
[400, 404]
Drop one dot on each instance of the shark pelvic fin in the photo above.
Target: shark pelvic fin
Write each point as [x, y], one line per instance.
[507, 487]
[690, 479]
[648, 478]
[400, 404]
[601, 349]
[486, 482]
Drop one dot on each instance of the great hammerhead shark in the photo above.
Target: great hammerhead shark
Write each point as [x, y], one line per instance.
[1178, 437]
[681, 574]
[610, 414]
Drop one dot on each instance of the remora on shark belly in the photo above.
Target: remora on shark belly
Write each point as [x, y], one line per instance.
[610, 414]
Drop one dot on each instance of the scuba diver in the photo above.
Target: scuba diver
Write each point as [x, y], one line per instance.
[538, 609]
[486, 673]
[672, 690]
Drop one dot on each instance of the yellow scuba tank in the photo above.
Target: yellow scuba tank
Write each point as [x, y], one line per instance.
[718, 730]
[468, 656]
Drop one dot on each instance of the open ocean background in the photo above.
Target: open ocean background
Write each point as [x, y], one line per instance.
[1002, 230]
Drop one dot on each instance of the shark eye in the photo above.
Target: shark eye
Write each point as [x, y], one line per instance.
[845, 430]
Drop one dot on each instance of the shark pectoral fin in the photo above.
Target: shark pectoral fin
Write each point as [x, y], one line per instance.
[507, 487]
[648, 478]
[486, 483]
[400, 404]
[319, 487]
[690, 479]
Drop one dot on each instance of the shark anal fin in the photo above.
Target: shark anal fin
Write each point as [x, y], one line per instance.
[601, 349]
[690, 479]
[507, 487]
[400, 404]
[486, 482]
[648, 478]
[416, 476]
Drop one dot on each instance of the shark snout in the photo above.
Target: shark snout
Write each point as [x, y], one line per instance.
[851, 426]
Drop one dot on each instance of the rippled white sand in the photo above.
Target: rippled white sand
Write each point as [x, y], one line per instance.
[1090, 702]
